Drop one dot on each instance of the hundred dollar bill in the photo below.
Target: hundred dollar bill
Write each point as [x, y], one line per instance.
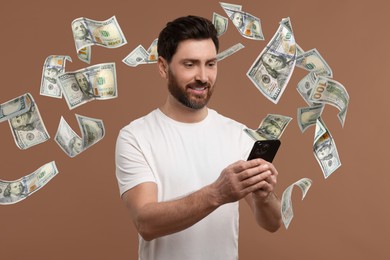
[87, 84]
[14, 107]
[312, 61]
[305, 87]
[307, 116]
[328, 91]
[152, 52]
[248, 25]
[226, 53]
[271, 127]
[231, 6]
[325, 150]
[28, 128]
[273, 68]
[88, 32]
[287, 210]
[12, 192]
[138, 56]
[220, 23]
[54, 65]
[92, 131]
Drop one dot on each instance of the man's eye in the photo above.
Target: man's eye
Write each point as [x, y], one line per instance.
[188, 64]
[212, 64]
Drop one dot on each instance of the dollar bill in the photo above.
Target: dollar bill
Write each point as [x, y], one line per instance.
[87, 84]
[220, 23]
[54, 65]
[92, 131]
[312, 61]
[231, 50]
[15, 107]
[27, 127]
[231, 6]
[12, 192]
[325, 150]
[88, 32]
[152, 52]
[307, 116]
[305, 87]
[287, 209]
[247, 24]
[273, 68]
[271, 127]
[138, 56]
[328, 91]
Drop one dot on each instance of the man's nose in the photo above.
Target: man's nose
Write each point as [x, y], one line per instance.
[201, 74]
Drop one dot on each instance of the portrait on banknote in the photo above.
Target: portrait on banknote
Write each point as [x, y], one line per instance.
[80, 33]
[12, 191]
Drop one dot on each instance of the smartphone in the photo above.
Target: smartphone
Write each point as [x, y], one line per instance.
[265, 149]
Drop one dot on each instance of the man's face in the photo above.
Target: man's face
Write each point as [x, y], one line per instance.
[192, 73]
[273, 61]
[20, 120]
[83, 82]
[79, 30]
[78, 145]
[237, 19]
[16, 188]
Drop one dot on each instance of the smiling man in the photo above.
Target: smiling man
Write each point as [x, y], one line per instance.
[181, 169]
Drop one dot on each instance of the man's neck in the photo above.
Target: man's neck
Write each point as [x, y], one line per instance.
[181, 113]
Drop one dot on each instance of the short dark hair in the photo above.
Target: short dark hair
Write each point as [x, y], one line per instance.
[184, 28]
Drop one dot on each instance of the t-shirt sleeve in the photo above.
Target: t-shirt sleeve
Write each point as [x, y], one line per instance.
[131, 166]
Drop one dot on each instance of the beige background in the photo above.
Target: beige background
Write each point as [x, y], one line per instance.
[78, 215]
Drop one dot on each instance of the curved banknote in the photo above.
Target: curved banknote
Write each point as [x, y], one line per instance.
[312, 61]
[220, 23]
[231, 50]
[136, 56]
[15, 107]
[84, 85]
[325, 150]
[248, 25]
[12, 192]
[92, 131]
[271, 127]
[53, 66]
[287, 210]
[305, 87]
[328, 91]
[307, 116]
[273, 68]
[25, 121]
[142, 56]
[88, 32]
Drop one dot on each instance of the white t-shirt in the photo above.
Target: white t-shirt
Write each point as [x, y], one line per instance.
[182, 158]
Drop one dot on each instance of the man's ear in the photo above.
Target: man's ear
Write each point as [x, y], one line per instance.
[162, 67]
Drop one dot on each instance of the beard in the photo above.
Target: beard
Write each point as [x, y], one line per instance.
[189, 100]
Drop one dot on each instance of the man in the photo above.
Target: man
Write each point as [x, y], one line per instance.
[181, 169]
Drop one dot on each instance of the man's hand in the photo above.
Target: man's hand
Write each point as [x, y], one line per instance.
[244, 177]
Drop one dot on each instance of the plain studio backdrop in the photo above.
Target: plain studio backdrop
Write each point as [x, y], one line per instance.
[79, 215]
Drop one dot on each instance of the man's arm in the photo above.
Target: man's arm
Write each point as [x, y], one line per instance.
[154, 219]
[264, 202]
